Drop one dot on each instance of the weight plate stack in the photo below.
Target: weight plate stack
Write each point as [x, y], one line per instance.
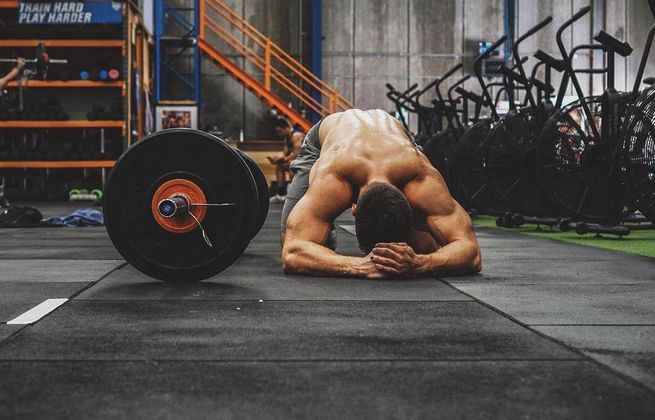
[262, 192]
[202, 169]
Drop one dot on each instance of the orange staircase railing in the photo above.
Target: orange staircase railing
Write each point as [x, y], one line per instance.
[276, 65]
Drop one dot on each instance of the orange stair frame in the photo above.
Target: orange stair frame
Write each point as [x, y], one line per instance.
[275, 64]
[253, 85]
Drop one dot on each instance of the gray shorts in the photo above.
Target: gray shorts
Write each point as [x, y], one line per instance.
[301, 166]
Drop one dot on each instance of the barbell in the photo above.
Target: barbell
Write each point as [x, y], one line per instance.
[42, 61]
[183, 205]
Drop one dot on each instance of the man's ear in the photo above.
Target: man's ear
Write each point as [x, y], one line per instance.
[354, 209]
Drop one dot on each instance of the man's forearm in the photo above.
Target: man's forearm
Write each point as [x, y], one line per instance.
[290, 157]
[9, 77]
[458, 257]
[306, 257]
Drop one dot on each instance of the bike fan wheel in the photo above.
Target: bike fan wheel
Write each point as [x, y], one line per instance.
[575, 168]
[639, 162]
[510, 164]
[469, 170]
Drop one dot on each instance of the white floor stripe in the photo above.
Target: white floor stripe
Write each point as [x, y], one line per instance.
[38, 312]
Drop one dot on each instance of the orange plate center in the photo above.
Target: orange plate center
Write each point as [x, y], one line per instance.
[192, 192]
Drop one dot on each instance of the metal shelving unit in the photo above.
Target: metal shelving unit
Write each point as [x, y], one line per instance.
[79, 164]
[63, 124]
[68, 84]
[128, 44]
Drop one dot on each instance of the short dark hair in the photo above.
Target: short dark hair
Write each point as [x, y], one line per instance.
[281, 122]
[383, 215]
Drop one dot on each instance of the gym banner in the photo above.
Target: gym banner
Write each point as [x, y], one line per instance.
[69, 12]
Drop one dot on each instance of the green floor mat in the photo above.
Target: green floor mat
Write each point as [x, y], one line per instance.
[640, 242]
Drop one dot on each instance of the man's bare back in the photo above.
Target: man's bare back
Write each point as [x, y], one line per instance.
[357, 145]
[367, 158]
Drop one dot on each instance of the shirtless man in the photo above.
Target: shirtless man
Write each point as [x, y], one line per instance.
[405, 219]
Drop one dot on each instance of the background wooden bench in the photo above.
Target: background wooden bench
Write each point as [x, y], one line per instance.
[259, 150]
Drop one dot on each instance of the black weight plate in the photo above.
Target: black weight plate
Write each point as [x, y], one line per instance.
[262, 192]
[203, 159]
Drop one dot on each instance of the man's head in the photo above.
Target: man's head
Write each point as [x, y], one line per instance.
[382, 214]
[282, 127]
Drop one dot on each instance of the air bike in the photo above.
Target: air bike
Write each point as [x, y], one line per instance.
[468, 166]
[430, 117]
[594, 157]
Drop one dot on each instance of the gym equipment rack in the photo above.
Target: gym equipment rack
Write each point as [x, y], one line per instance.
[128, 45]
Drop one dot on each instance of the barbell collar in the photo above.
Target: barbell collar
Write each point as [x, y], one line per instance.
[175, 206]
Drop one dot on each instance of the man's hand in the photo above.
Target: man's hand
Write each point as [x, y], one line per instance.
[274, 160]
[367, 269]
[20, 63]
[397, 259]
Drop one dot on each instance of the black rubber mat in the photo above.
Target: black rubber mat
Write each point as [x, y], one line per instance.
[346, 390]
[134, 347]
[570, 303]
[55, 271]
[257, 276]
[7, 330]
[57, 243]
[17, 298]
[290, 330]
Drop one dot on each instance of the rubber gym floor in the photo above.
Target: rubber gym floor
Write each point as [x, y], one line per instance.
[548, 330]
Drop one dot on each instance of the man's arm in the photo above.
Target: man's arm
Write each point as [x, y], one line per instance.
[13, 73]
[291, 154]
[450, 226]
[308, 227]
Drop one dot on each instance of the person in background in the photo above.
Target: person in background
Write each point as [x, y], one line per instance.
[13, 73]
[293, 139]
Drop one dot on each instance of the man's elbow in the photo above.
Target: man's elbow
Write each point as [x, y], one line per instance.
[290, 262]
[475, 262]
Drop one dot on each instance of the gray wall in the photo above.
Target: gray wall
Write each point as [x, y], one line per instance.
[625, 19]
[371, 42]
[368, 43]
